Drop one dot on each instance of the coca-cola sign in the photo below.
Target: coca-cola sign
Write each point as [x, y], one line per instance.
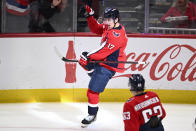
[168, 61]
[174, 61]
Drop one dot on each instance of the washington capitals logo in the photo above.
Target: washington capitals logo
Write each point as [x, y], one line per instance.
[116, 34]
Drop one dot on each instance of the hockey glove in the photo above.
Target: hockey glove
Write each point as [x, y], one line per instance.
[86, 11]
[154, 121]
[84, 62]
[89, 10]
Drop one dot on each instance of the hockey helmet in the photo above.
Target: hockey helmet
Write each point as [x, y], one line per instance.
[111, 13]
[136, 82]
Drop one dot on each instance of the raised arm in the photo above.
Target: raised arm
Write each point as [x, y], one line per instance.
[94, 26]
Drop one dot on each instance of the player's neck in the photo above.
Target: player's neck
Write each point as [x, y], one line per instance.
[117, 25]
[137, 93]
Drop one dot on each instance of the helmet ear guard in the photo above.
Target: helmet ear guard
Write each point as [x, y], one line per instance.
[136, 82]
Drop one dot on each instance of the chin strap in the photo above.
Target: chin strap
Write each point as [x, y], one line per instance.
[115, 23]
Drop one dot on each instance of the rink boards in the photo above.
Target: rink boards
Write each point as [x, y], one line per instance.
[32, 72]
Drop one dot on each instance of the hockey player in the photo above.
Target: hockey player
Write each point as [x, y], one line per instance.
[112, 47]
[143, 111]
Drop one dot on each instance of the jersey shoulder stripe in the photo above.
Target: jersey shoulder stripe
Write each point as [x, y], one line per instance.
[98, 49]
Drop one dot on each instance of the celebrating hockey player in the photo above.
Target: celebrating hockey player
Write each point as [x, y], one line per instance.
[143, 111]
[112, 48]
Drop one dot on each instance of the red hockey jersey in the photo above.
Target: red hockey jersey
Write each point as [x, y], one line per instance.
[138, 110]
[113, 44]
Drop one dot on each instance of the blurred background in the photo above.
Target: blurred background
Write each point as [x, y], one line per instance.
[138, 16]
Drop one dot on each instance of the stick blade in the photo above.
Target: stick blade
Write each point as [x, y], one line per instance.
[141, 62]
[57, 52]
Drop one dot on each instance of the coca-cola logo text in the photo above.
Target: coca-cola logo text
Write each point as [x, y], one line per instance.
[171, 63]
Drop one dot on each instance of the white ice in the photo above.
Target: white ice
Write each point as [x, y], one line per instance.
[67, 117]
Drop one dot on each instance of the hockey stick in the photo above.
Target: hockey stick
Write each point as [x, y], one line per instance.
[70, 60]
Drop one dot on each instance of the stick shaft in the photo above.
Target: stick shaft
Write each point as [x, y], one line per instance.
[71, 60]
[126, 62]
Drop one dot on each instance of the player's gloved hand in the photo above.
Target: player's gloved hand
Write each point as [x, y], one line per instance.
[83, 59]
[89, 10]
[84, 62]
[85, 11]
[154, 122]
